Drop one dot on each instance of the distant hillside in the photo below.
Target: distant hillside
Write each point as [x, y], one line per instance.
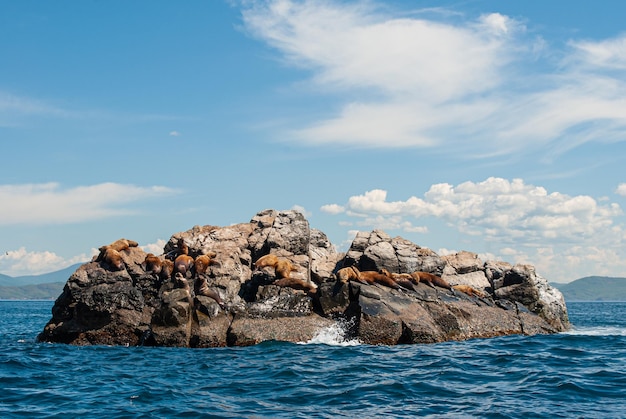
[594, 288]
[32, 292]
[35, 287]
[56, 276]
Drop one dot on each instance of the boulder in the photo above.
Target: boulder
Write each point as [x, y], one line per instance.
[234, 303]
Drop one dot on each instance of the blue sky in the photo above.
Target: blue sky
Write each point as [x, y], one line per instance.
[489, 126]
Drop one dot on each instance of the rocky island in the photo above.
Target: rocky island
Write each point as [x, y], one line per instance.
[276, 278]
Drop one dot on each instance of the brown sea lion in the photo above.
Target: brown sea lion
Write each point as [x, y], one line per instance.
[402, 279]
[201, 264]
[373, 277]
[202, 288]
[473, 292]
[267, 260]
[297, 284]
[181, 249]
[366, 277]
[346, 274]
[182, 282]
[431, 280]
[118, 245]
[284, 268]
[183, 264]
[113, 259]
[167, 269]
[152, 264]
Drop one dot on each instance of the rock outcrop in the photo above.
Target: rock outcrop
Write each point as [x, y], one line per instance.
[229, 301]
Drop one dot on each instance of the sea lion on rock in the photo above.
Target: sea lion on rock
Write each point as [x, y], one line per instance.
[202, 262]
[123, 244]
[373, 277]
[202, 288]
[404, 280]
[366, 277]
[267, 260]
[346, 274]
[152, 264]
[118, 245]
[183, 264]
[297, 284]
[181, 249]
[167, 269]
[113, 258]
[472, 292]
[282, 267]
[431, 280]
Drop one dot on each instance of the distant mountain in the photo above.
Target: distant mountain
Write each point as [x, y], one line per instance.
[48, 291]
[56, 276]
[594, 288]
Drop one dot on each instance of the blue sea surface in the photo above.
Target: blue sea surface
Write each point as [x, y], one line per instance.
[577, 374]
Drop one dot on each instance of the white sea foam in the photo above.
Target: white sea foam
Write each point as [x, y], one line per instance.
[334, 335]
[597, 331]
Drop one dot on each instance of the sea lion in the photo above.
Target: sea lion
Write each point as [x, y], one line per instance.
[402, 279]
[267, 260]
[113, 259]
[284, 268]
[472, 292]
[431, 280]
[346, 274]
[118, 245]
[202, 262]
[373, 277]
[183, 249]
[297, 284]
[167, 268]
[182, 282]
[183, 264]
[152, 264]
[366, 277]
[202, 288]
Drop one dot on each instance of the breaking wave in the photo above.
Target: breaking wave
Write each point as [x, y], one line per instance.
[335, 335]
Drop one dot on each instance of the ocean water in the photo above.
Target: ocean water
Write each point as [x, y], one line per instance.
[577, 374]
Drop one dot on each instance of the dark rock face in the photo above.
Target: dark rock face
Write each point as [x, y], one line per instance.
[234, 303]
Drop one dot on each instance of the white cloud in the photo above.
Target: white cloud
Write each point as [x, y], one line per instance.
[155, 248]
[621, 189]
[609, 53]
[496, 209]
[301, 210]
[174, 134]
[13, 108]
[48, 203]
[23, 262]
[470, 84]
[332, 209]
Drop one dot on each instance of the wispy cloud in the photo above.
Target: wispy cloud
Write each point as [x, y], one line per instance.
[16, 109]
[49, 203]
[464, 83]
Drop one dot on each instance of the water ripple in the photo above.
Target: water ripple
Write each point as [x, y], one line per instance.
[564, 375]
